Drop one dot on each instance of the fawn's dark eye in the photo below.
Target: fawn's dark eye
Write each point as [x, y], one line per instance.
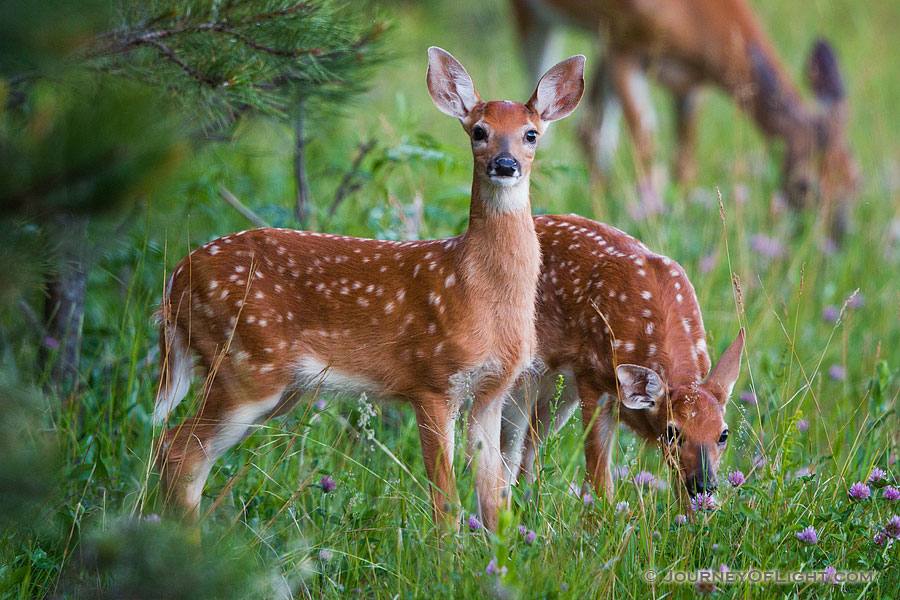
[531, 136]
[672, 434]
[724, 437]
[478, 134]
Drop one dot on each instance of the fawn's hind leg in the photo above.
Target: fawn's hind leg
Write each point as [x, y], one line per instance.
[187, 452]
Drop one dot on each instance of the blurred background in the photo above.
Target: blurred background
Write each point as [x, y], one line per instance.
[131, 133]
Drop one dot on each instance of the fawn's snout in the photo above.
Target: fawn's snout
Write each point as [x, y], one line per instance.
[703, 479]
[503, 166]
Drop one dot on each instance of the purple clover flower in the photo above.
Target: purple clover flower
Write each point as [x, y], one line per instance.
[588, 500]
[881, 539]
[474, 523]
[831, 313]
[759, 461]
[623, 507]
[802, 425]
[767, 246]
[736, 479]
[829, 572]
[325, 555]
[748, 397]
[856, 300]
[528, 535]
[859, 491]
[891, 494]
[328, 484]
[837, 372]
[493, 570]
[802, 472]
[828, 246]
[643, 478]
[877, 475]
[893, 527]
[809, 535]
[703, 501]
[680, 519]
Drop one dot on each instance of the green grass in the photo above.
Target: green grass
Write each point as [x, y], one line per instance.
[271, 522]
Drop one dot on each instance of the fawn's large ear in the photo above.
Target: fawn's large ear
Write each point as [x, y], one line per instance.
[640, 387]
[723, 376]
[449, 84]
[560, 89]
[824, 75]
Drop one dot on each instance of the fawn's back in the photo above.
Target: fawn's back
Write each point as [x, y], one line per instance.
[604, 299]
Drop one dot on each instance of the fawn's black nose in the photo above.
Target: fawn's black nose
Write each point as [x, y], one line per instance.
[504, 166]
[700, 484]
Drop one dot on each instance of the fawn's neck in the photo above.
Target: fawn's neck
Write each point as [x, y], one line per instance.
[777, 105]
[500, 248]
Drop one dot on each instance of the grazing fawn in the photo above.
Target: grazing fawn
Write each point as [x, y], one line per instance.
[623, 327]
[686, 43]
[272, 312]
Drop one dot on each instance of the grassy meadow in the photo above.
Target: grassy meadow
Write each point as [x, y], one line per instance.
[815, 409]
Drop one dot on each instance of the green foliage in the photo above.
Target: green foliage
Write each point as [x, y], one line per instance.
[217, 60]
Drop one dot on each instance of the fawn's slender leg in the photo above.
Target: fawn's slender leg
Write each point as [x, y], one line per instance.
[188, 451]
[483, 446]
[436, 434]
[599, 419]
[542, 419]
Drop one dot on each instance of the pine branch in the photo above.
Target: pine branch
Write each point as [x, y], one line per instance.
[264, 61]
[170, 54]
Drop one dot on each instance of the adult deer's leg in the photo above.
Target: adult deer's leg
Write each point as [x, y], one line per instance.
[541, 43]
[686, 134]
[598, 130]
[630, 84]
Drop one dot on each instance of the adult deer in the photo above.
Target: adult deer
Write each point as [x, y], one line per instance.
[623, 326]
[273, 312]
[687, 43]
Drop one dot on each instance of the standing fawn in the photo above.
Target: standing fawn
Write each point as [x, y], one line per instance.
[623, 327]
[273, 312]
[688, 43]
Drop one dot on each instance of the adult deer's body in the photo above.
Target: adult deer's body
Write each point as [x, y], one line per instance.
[623, 326]
[272, 312]
[687, 43]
